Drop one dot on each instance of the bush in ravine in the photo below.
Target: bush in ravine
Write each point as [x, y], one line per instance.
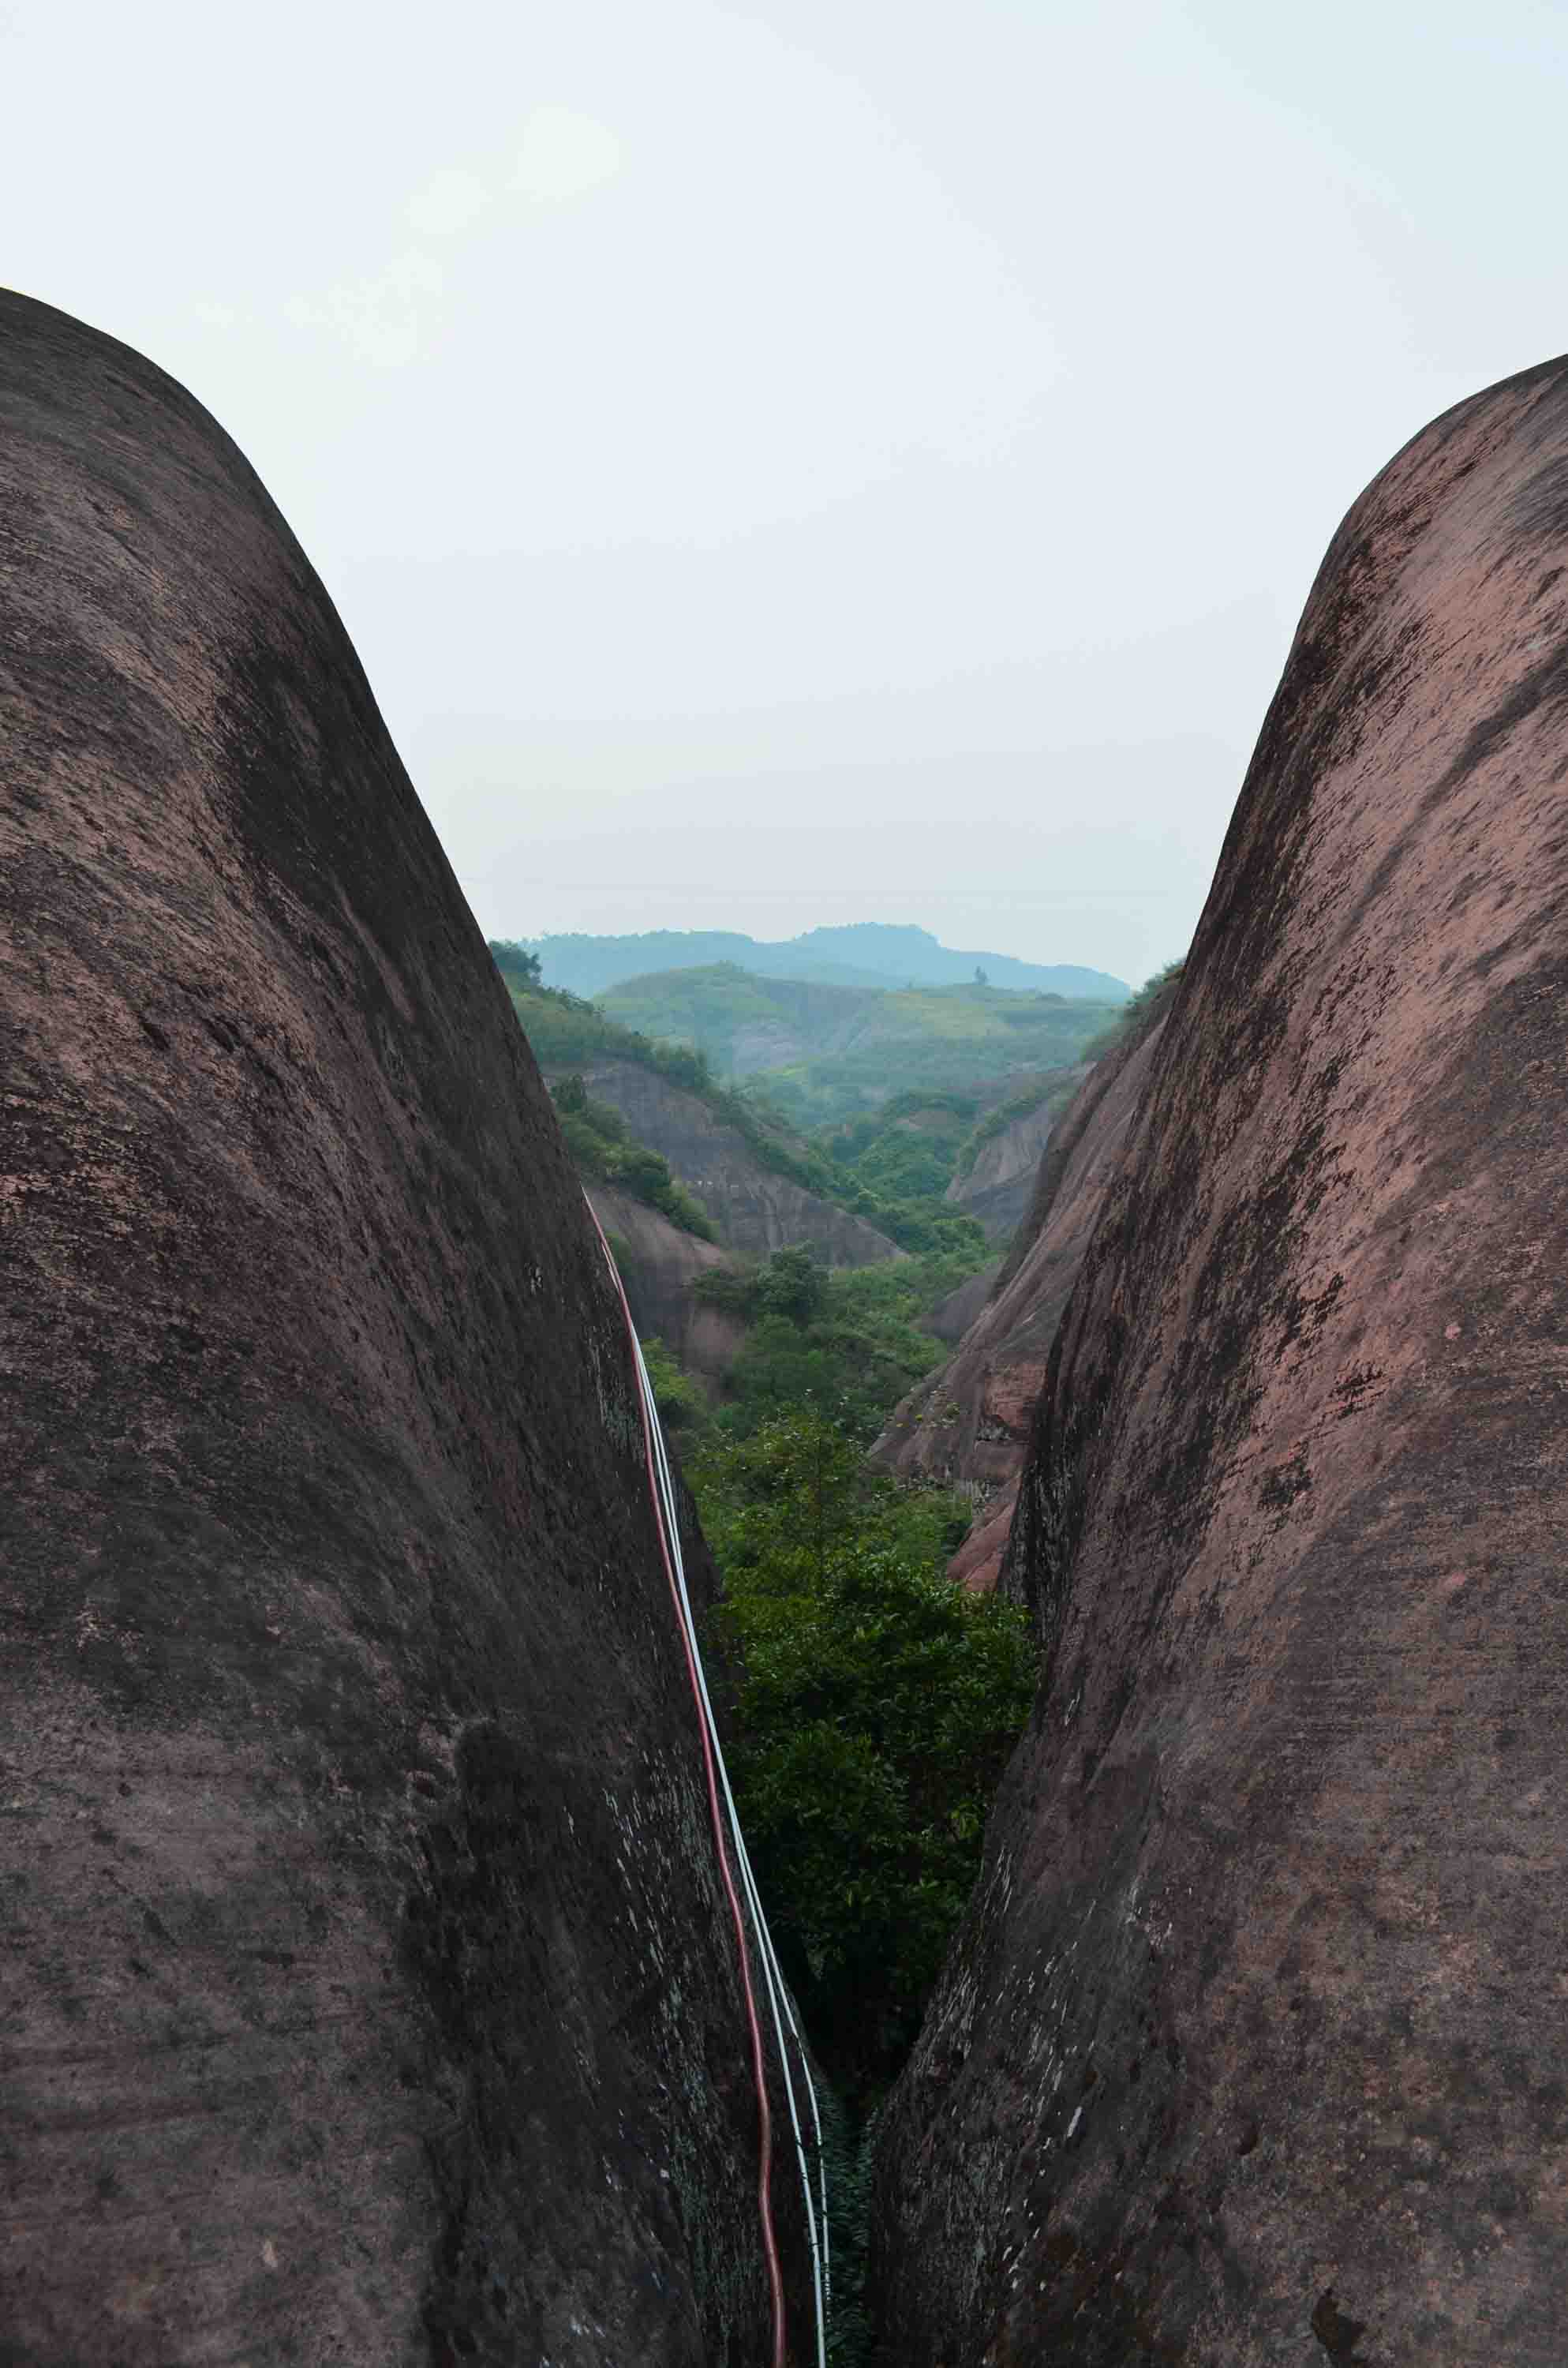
[878, 1705]
[851, 1343]
[683, 1407]
[792, 1285]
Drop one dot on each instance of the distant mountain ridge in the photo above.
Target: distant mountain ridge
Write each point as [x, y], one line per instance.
[857, 953]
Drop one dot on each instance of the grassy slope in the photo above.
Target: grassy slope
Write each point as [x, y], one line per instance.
[842, 1051]
[711, 1006]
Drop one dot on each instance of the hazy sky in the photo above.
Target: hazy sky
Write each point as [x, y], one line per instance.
[811, 460]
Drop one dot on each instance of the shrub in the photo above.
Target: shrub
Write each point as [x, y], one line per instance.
[603, 1147]
[878, 1706]
[683, 1409]
[513, 961]
[1136, 1014]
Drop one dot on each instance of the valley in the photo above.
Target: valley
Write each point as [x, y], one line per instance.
[1119, 1502]
[799, 1288]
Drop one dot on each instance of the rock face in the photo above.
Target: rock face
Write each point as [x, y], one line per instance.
[970, 1420]
[951, 1317]
[367, 1994]
[756, 1211]
[659, 1263]
[999, 1187]
[1253, 2047]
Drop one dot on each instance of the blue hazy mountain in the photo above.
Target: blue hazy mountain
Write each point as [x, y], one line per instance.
[857, 953]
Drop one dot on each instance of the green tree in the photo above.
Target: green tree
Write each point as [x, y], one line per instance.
[792, 1285]
[878, 1705]
[856, 1356]
[513, 961]
[683, 1409]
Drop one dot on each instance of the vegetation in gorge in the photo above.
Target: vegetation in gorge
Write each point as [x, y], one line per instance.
[878, 1705]
[908, 1148]
[876, 1701]
[850, 1342]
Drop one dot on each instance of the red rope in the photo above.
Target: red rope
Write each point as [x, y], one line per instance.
[765, 2117]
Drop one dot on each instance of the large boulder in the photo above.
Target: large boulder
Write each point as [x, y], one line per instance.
[1253, 2048]
[368, 1993]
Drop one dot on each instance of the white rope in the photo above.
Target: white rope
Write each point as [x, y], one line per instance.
[778, 1989]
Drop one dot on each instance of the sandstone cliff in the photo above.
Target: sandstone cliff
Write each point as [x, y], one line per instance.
[755, 1210]
[951, 1317]
[1252, 2049]
[969, 1421]
[366, 1990]
[659, 1263]
[999, 1187]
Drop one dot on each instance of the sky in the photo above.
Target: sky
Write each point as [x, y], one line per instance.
[811, 461]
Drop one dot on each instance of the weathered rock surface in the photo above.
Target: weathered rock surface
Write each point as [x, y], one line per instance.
[999, 1189]
[659, 1263]
[366, 1990]
[951, 1317]
[756, 1211]
[970, 1422]
[1253, 2049]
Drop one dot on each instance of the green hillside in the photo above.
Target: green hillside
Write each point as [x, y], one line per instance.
[908, 1148]
[569, 1036]
[605, 1150]
[825, 1055]
[857, 953]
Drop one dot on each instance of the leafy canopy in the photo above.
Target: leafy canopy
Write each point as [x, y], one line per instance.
[878, 1706]
[851, 1342]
